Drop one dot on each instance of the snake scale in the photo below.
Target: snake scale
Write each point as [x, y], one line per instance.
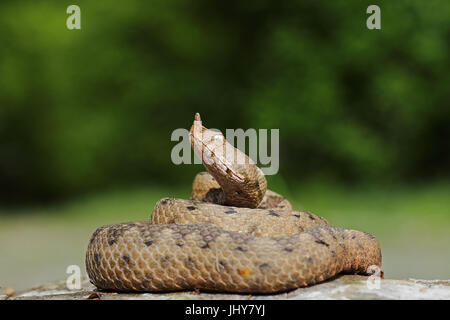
[232, 236]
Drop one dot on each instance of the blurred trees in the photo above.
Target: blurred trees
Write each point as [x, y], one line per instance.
[82, 110]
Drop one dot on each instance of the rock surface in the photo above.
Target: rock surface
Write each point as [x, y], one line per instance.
[342, 288]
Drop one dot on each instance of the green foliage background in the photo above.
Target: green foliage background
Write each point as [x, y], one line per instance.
[86, 117]
[85, 110]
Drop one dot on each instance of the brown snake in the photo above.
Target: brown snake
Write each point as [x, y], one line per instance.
[233, 236]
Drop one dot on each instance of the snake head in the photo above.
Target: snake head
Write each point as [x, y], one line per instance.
[242, 181]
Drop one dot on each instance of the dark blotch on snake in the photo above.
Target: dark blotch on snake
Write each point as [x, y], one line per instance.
[322, 242]
[126, 259]
[240, 249]
[230, 210]
[148, 243]
[190, 208]
[148, 276]
[273, 213]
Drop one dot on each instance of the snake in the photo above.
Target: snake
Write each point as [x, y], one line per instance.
[233, 235]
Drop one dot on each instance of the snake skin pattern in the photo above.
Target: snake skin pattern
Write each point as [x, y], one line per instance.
[232, 236]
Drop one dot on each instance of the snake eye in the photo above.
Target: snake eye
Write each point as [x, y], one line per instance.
[238, 192]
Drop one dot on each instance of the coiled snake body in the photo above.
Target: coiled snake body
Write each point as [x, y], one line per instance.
[232, 236]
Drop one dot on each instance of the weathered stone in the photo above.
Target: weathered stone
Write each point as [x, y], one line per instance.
[344, 287]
